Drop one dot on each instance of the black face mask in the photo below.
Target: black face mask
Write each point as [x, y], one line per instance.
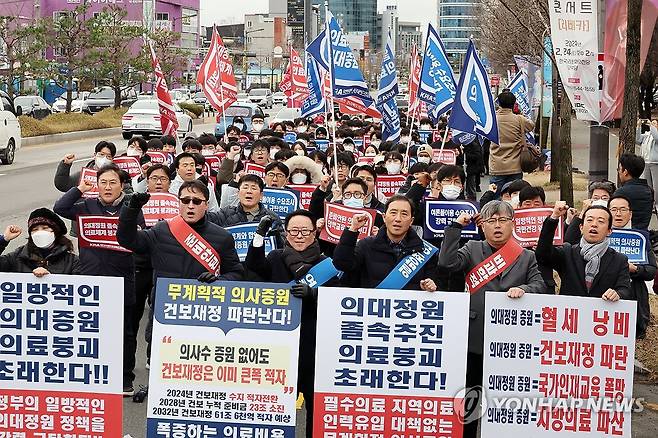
[233, 138]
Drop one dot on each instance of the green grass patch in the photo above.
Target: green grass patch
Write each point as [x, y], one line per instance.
[62, 122]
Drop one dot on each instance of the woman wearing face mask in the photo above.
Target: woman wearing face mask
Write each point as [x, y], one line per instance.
[424, 154]
[304, 170]
[393, 163]
[47, 250]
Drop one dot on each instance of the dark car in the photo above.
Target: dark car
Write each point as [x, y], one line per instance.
[103, 98]
[33, 106]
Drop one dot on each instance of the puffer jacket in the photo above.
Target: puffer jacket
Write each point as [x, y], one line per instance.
[168, 257]
[96, 261]
[25, 259]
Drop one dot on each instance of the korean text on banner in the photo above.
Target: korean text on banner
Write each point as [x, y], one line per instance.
[99, 232]
[445, 156]
[243, 235]
[631, 243]
[230, 350]
[440, 214]
[281, 201]
[61, 356]
[305, 193]
[255, 169]
[528, 223]
[87, 174]
[337, 217]
[390, 361]
[574, 31]
[558, 366]
[160, 206]
[129, 164]
[388, 185]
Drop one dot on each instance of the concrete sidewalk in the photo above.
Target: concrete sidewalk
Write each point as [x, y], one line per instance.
[580, 148]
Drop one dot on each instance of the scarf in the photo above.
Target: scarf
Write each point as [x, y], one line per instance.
[592, 253]
[300, 262]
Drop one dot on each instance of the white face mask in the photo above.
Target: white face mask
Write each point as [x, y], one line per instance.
[331, 124]
[405, 140]
[425, 127]
[393, 168]
[247, 153]
[450, 192]
[273, 153]
[257, 127]
[600, 202]
[425, 160]
[43, 238]
[349, 147]
[239, 125]
[301, 128]
[375, 143]
[515, 201]
[370, 154]
[101, 161]
[300, 152]
[207, 152]
[353, 202]
[298, 178]
[133, 152]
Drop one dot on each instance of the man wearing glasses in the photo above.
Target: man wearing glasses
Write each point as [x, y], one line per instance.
[512, 270]
[276, 175]
[185, 165]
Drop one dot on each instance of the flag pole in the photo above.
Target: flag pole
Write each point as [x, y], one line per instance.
[219, 74]
[331, 86]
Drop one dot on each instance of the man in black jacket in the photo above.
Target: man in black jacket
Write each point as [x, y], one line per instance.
[370, 260]
[630, 169]
[590, 268]
[104, 153]
[112, 263]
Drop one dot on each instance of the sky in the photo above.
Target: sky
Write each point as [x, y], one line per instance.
[233, 11]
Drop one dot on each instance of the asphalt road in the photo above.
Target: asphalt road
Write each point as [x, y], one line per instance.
[28, 184]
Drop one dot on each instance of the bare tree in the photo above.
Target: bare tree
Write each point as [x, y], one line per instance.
[23, 45]
[632, 78]
[173, 59]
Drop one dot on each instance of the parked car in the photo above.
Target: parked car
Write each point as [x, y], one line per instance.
[77, 104]
[402, 101]
[180, 95]
[246, 110]
[33, 106]
[10, 129]
[103, 98]
[262, 97]
[200, 98]
[243, 97]
[143, 118]
[279, 98]
[286, 114]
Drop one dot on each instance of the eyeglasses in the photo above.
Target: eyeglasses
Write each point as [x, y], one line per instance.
[195, 201]
[156, 179]
[276, 175]
[297, 232]
[501, 220]
[616, 210]
[256, 150]
[355, 195]
[343, 167]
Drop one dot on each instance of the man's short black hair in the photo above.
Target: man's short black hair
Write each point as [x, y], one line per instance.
[418, 167]
[232, 129]
[365, 168]
[284, 154]
[515, 186]
[194, 186]
[155, 167]
[450, 171]
[634, 164]
[192, 144]
[300, 212]
[532, 192]
[357, 181]
[394, 198]
[342, 158]
[250, 177]
[624, 197]
[105, 144]
[182, 155]
[206, 139]
[506, 100]
[394, 156]
[278, 165]
[123, 175]
[169, 140]
[600, 207]
[154, 143]
[260, 143]
[141, 143]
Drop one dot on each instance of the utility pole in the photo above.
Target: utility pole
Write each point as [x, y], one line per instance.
[599, 134]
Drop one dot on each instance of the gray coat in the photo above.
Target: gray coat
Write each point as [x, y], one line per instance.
[524, 274]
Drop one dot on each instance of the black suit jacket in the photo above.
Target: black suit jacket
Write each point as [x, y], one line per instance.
[567, 261]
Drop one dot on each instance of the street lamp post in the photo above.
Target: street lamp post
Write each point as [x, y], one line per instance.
[245, 68]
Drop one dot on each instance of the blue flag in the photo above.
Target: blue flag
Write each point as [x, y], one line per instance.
[388, 89]
[315, 102]
[519, 88]
[473, 110]
[437, 81]
[347, 79]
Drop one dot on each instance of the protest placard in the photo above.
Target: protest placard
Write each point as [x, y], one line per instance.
[445, 156]
[159, 157]
[128, 164]
[388, 185]
[255, 169]
[390, 363]
[87, 174]
[99, 232]
[440, 214]
[243, 235]
[160, 206]
[305, 193]
[528, 223]
[224, 360]
[61, 351]
[281, 201]
[631, 243]
[557, 366]
[337, 217]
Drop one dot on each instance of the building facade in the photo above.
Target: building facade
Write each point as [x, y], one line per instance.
[389, 22]
[357, 16]
[457, 23]
[409, 34]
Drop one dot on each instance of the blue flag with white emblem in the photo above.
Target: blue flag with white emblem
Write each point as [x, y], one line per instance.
[437, 81]
[315, 102]
[473, 110]
[518, 86]
[347, 79]
[388, 89]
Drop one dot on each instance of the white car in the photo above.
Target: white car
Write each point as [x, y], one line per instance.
[286, 114]
[279, 98]
[77, 104]
[10, 129]
[143, 118]
[243, 97]
[262, 97]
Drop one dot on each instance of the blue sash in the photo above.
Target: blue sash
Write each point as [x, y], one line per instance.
[319, 274]
[408, 268]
